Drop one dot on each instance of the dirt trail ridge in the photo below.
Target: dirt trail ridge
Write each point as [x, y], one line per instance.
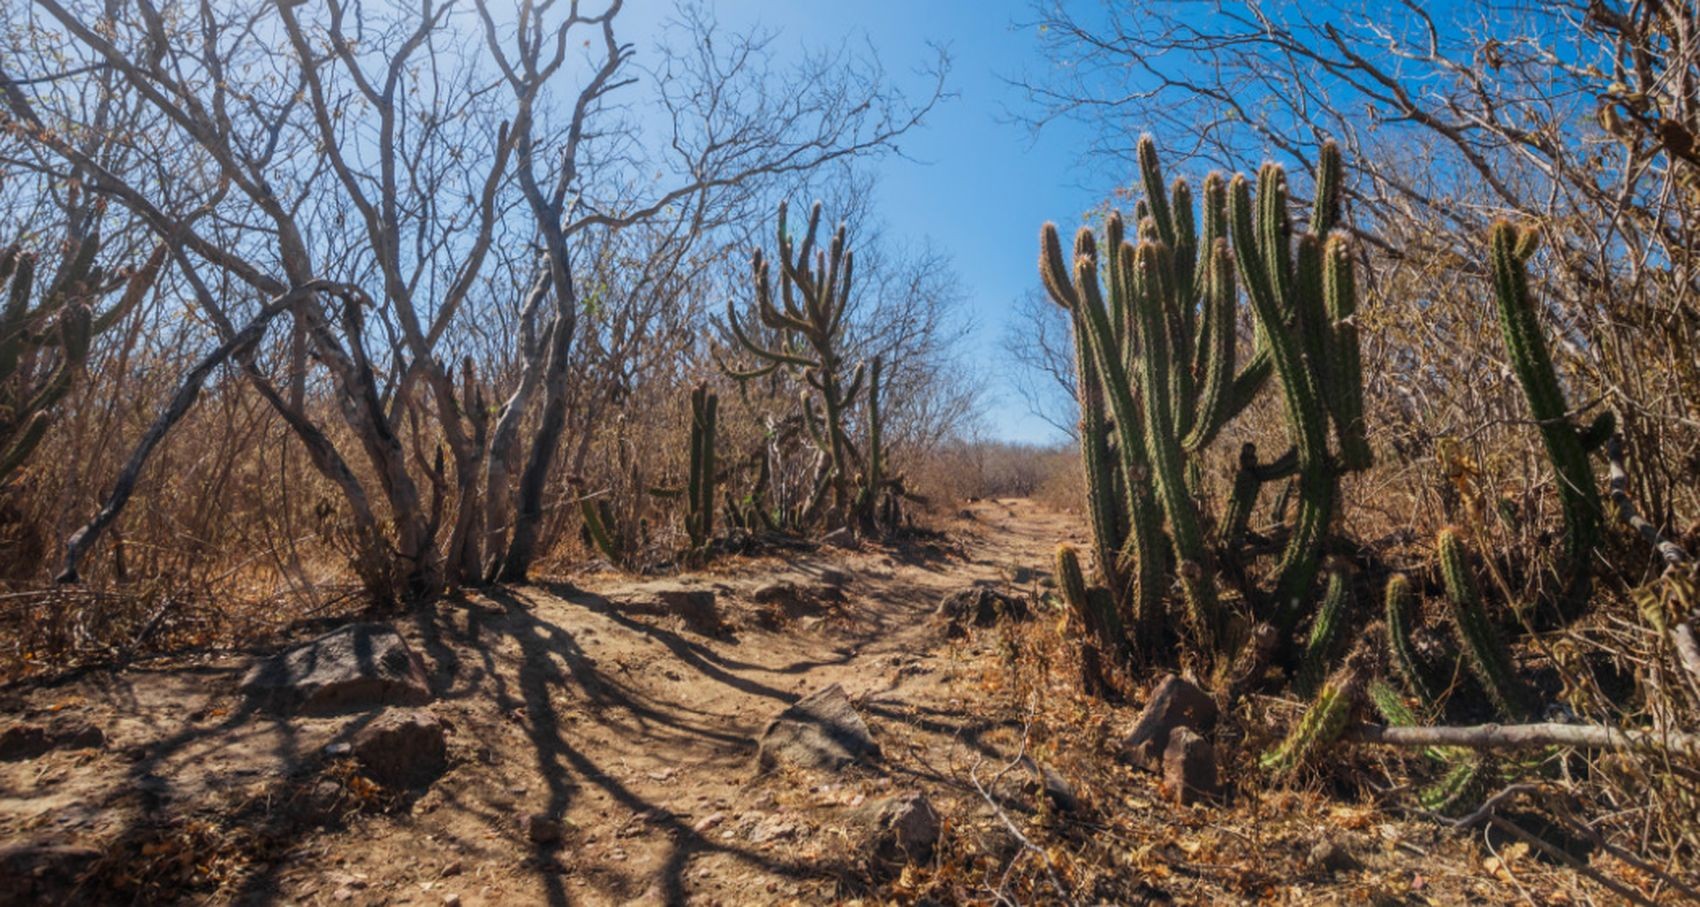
[565, 701]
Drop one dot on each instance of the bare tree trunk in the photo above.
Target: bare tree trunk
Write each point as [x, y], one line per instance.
[1526, 736]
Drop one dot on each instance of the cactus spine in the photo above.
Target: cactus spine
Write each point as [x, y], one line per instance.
[1567, 446]
[699, 518]
[1489, 658]
[45, 341]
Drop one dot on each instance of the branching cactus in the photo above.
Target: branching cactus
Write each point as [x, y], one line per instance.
[1155, 317]
[1567, 444]
[45, 337]
[1302, 293]
[1486, 652]
[808, 315]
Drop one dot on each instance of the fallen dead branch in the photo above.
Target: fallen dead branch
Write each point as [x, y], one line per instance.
[1526, 736]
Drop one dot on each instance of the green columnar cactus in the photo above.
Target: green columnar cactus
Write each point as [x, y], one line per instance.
[807, 321]
[596, 527]
[1324, 633]
[699, 518]
[1401, 602]
[1156, 328]
[1096, 612]
[1325, 718]
[1345, 372]
[1265, 270]
[1488, 656]
[1076, 289]
[45, 339]
[1567, 445]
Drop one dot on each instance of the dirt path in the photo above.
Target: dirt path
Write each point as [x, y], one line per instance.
[569, 701]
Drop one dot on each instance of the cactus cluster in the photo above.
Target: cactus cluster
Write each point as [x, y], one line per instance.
[45, 336]
[806, 324]
[1155, 320]
[1567, 444]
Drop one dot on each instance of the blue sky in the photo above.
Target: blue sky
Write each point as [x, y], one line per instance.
[966, 157]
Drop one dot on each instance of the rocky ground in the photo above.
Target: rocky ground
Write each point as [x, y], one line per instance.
[803, 727]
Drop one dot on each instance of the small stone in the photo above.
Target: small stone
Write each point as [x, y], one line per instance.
[832, 577]
[707, 822]
[1176, 703]
[842, 537]
[451, 900]
[403, 748]
[1055, 788]
[1331, 857]
[542, 828]
[903, 828]
[454, 868]
[1189, 767]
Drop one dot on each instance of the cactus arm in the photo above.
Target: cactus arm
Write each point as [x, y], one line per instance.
[1324, 632]
[1156, 195]
[1330, 180]
[1488, 656]
[598, 531]
[1164, 451]
[1217, 346]
[1345, 371]
[771, 355]
[1143, 520]
[1099, 617]
[1401, 602]
[1304, 410]
[1579, 496]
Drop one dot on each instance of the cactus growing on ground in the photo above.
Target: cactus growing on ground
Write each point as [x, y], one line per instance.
[1488, 656]
[1096, 612]
[1401, 601]
[1155, 341]
[1324, 632]
[699, 517]
[808, 316]
[1567, 445]
[1327, 715]
[45, 340]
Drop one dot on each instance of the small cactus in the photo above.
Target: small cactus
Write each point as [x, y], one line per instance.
[1488, 656]
[1324, 632]
[1401, 603]
[1326, 717]
[699, 518]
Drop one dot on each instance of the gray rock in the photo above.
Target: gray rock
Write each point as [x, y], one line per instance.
[27, 741]
[355, 668]
[403, 748]
[39, 873]
[1176, 703]
[900, 829]
[822, 731]
[1189, 767]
